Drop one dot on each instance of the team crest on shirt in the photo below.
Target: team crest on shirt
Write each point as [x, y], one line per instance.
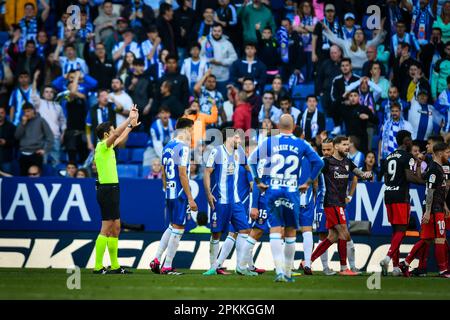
[347, 167]
[230, 168]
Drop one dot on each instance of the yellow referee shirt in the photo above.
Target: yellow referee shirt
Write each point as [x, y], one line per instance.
[105, 160]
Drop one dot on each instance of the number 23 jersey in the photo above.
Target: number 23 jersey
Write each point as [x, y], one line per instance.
[397, 185]
[175, 154]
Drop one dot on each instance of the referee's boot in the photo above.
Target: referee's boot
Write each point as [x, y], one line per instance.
[120, 270]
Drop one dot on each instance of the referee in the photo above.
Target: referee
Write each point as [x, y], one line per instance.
[108, 195]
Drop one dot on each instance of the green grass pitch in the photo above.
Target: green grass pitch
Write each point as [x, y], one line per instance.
[142, 284]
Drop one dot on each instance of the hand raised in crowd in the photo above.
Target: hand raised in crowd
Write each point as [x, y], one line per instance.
[134, 112]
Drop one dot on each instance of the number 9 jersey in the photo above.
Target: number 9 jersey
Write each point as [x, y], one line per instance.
[175, 154]
[394, 168]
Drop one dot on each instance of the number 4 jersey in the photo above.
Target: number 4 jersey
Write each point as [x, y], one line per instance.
[175, 154]
[397, 185]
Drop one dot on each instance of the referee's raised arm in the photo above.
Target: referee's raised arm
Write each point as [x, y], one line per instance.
[129, 124]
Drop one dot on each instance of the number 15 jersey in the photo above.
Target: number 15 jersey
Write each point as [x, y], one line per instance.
[397, 185]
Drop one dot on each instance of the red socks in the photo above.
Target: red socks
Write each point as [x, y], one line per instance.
[321, 248]
[342, 249]
[417, 247]
[424, 256]
[395, 258]
[440, 251]
[396, 241]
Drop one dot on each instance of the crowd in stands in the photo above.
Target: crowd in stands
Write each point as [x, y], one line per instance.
[335, 66]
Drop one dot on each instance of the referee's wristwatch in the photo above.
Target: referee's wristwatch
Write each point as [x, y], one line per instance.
[130, 126]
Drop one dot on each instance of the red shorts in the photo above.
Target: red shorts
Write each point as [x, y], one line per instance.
[435, 228]
[335, 215]
[398, 213]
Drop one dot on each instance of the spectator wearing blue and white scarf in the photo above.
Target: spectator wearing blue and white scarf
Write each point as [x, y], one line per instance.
[388, 143]
[422, 22]
[30, 24]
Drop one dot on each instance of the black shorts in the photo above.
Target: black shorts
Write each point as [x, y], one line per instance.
[108, 198]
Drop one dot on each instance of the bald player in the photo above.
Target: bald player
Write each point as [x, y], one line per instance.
[280, 157]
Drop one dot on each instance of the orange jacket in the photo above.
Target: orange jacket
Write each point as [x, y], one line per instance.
[14, 10]
[201, 120]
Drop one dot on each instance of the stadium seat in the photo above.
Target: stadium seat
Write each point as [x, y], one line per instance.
[128, 170]
[145, 171]
[329, 124]
[137, 140]
[302, 91]
[123, 155]
[137, 155]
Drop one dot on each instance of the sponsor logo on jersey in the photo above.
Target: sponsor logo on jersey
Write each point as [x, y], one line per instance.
[337, 175]
[285, 203]
[390, 188]
[171, 184]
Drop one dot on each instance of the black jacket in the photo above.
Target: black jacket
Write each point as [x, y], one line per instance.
[327, 72]
[180, 87]
[169, 31]
[338, 88]
[35, 63]
[141, 92]
[7, 131]
[268, 52]
[174, 105]
[356, 126]
[185, 19]
[103, 72]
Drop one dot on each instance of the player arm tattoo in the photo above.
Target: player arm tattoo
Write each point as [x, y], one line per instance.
[429, 199]
[359, 173]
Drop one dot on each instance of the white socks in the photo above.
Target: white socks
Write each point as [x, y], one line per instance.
[163, 243]
[276, 245]
[351, 254]
[307, 247]
[227, 246]
[172, 247]
[241, 240]
[289, 254]
[324, 257]
[213, 251]
[250, 245]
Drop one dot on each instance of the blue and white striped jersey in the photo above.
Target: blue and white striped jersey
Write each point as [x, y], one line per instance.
[175, 154]
[281, 159]
[423, 119]
[133, 47]
[69, 65]
[146, 48]
[16, 100]
[226, 173]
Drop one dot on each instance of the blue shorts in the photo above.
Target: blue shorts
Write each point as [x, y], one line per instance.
[226, 213]
[246, 205]
[283, 208]
[178, 210]
[261, 222]
[306, 215]
[321, 222]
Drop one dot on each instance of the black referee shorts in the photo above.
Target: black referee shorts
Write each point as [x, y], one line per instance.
[108, 198]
